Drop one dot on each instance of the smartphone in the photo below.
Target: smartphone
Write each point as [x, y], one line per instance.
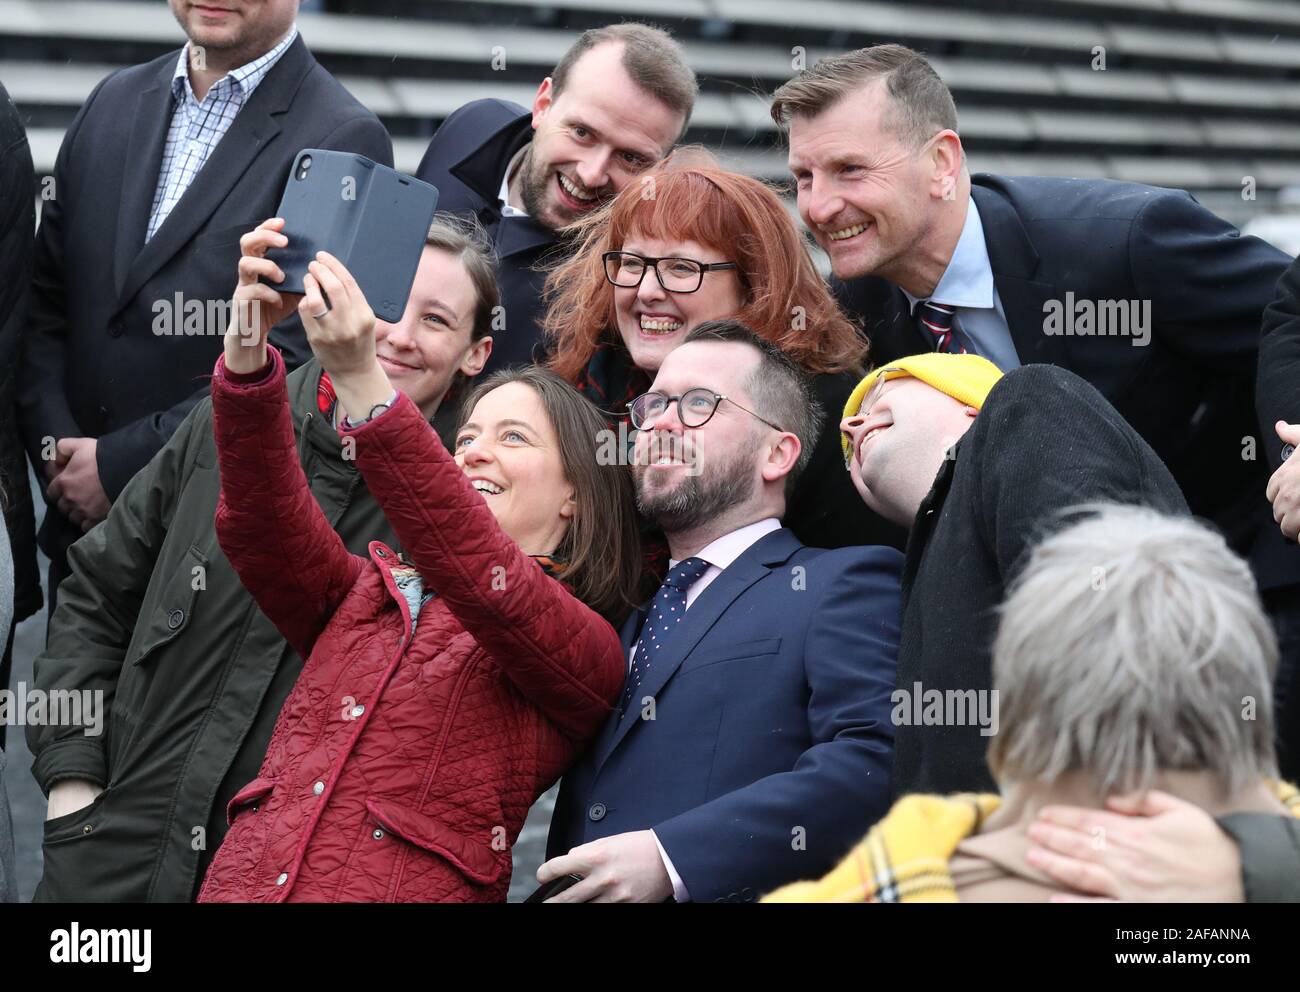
[368, 216]
[554, 888]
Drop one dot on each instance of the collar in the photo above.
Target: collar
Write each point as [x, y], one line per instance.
[968, 280]
[247, 77]
[720, 553]
[481, 170]
[504, 195]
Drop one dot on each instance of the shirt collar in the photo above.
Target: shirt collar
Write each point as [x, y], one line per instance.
[504, 195]
[727, 548]
[968, 280]
[247, 77]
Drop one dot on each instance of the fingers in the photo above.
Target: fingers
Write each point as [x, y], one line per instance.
[331, 285]
[1062, 897]
[265, 236]
[1065, 840]
[1151, 803]
[312, 303]
[1079, 875]
[253, 267]
[1274, 484]
[1290, 433]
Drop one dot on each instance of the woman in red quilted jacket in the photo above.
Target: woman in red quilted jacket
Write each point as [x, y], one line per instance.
[444, 689]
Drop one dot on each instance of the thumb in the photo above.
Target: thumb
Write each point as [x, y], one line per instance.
[66, 447]
[1290, 433]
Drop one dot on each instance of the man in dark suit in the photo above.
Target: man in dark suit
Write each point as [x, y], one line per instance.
[1141, 291]
[979, 467]
[616, 103]
[163, 169]
[752, 745]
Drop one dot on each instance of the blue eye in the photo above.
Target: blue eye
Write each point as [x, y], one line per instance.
[515, 435]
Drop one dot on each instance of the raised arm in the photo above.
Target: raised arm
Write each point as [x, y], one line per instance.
[268, 523]
[561, 655]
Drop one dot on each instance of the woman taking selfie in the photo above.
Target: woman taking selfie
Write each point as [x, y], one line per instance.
[691, 243]
[446, 689]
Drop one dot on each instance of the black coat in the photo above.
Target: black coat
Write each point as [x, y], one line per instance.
[17, 231]
[466, 160]
[1190, 391]
[94, 366]
[1044, 440]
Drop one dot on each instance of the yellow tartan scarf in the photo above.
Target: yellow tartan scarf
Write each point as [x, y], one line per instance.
[904, 857]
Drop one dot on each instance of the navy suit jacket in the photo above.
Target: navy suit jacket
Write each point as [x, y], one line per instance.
[1190, 392]
[94, 363]
[466, 160]
[769, 751]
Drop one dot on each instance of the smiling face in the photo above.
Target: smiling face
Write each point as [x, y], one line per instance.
[899, 445]
[592, 139]
[652, 321]
[422, 352]
[867, 196]
[235, 32]
[508, 449]
[691, 478]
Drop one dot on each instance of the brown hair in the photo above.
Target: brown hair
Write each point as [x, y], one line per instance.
[601, 550]
[467, 242]
[651, 58]
[921, 104]
[786, 299]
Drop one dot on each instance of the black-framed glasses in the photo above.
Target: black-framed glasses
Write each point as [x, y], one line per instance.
[626, 269]
[695, 408]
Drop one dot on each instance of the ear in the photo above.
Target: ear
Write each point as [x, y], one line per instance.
[781, 458]
[570, 505]
[542, 101]
[947, 160]
[970, 412]
[477, 356]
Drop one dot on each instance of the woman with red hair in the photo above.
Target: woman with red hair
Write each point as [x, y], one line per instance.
[690, 243]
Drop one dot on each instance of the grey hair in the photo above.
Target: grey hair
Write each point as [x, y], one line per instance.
[1134, 643]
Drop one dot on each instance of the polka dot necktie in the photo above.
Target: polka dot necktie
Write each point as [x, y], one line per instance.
[936, 319]
[666, 612]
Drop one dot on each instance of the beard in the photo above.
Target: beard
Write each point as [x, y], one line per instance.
[700, 498]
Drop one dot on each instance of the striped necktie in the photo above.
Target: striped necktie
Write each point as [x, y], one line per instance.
[936, 320]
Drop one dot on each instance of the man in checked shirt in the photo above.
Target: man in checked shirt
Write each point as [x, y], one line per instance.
[163, 169]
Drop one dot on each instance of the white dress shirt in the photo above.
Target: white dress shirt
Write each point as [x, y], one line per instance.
[197, 127]
[719, 554]
[504, 196]
[967, 286]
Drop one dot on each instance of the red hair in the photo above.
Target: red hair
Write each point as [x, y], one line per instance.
[786, 300]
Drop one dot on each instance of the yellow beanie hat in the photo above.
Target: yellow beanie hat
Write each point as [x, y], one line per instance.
[966, 378]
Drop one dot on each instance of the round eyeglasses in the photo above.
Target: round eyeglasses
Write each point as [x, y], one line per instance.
[626, 269]
[695, 408]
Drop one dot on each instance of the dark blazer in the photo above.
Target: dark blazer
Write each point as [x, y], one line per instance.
[1190, 391]
[768, 755]
[17, 232]
[466, 160]
[1044, 441]
[94, 365]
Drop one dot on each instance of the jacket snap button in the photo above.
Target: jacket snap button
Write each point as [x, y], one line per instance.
[284, 877]
[378, 835]
[318, 788]
[381, 552]
[87, 829]
[175, 618]
[254, 808]
[597, 812]
[358, 710]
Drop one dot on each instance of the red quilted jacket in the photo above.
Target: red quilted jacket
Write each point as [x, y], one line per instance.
[406, 757]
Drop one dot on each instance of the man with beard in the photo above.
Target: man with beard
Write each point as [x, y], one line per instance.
[753, 741]
[617, 102]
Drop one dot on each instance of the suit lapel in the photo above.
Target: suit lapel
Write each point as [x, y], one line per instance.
[1015, 263]
[712, 603]
[254, 127]
[153, 115]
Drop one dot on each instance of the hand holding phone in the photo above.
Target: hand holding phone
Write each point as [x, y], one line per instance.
[257, 306]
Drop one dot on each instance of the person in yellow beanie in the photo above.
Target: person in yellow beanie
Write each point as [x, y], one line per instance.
[978, 466]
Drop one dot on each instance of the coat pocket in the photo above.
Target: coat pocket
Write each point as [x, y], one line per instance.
[175, 609]
[475, 860]
[250, 796]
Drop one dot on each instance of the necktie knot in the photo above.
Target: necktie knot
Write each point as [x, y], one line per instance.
[686, 573]
[937, 319]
